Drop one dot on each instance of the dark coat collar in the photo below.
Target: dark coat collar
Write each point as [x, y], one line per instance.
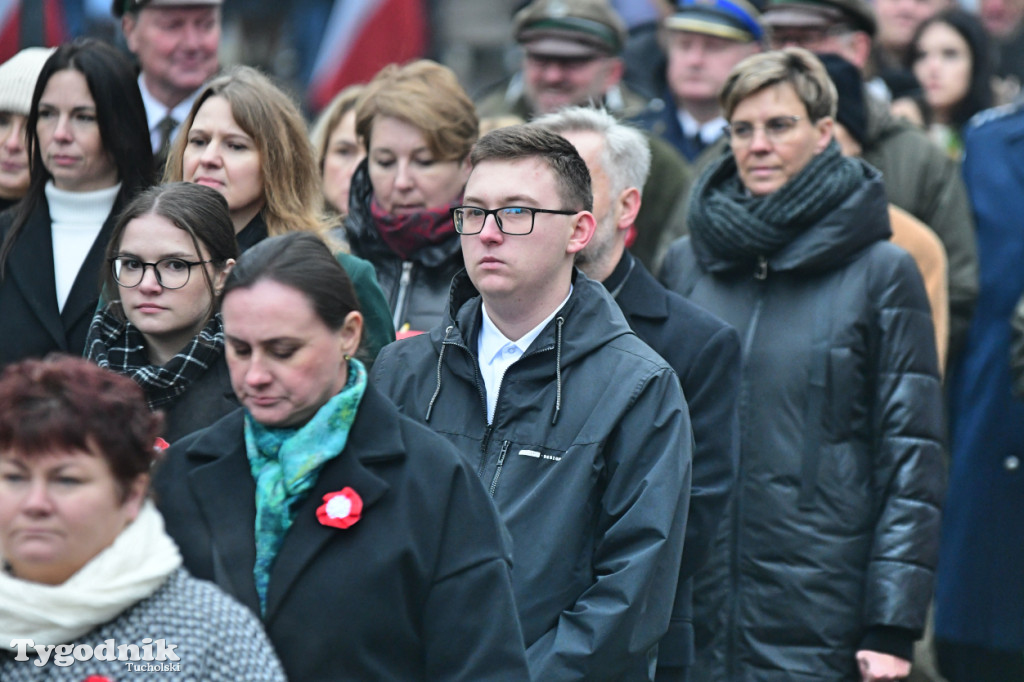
[645, 296]
[218, 457]
[38, 284]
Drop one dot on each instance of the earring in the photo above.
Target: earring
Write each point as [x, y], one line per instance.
[347, 357]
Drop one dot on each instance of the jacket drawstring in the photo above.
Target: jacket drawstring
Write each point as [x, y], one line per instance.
[440, 360]
[558, 368]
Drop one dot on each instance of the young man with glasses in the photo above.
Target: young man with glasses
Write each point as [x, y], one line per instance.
[578, 430]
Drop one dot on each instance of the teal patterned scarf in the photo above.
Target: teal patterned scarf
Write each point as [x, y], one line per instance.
[285, 464]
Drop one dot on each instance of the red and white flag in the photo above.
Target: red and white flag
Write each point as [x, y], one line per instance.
[54, 26]
[361, 37]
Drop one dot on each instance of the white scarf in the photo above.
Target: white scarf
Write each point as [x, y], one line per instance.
[132, 568]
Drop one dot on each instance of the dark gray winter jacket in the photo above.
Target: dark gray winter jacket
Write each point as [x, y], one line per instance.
[588, 460]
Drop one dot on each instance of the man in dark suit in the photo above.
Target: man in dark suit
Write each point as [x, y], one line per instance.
[703, 350]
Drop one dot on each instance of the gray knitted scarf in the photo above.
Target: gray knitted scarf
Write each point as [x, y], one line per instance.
[730, 225]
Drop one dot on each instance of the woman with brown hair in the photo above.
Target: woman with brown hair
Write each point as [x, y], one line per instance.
[246, 139]
[418, 126]
[167, 259]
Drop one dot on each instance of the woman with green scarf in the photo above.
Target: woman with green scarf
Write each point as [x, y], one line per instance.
[358, 536]
[824, 568]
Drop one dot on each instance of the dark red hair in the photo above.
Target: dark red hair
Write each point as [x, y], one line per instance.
[67, 403]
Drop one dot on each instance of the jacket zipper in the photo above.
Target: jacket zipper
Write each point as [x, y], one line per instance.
[401, 301]
[760, 274]
[497, 470]
[486, 442]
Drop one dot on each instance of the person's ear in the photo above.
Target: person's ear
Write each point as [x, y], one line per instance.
[628, 206]
[351, 333]
[582, 232]
[137, 491]
[222, 275]
[616, 69]
[128, 23]
[860, 50]
[825, 127]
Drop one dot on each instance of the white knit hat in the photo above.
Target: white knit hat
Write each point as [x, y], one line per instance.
[18, 76]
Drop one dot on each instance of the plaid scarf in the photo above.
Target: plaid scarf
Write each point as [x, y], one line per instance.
[408, 233]
[119, 346]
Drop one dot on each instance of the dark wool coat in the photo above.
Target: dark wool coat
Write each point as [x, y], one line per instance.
[416, 290]
[588, 461]
[417, 589]
[831, 539]
[705, 353]
[30, 323]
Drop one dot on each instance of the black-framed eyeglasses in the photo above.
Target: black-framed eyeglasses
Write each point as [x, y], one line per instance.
[775, 128]
[516, 220]
[171, 273]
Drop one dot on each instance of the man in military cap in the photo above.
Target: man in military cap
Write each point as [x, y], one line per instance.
[918, 176]
[572, 57]
[176, 44]
[704, 40]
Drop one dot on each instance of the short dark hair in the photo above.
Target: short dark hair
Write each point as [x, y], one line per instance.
[518, 142]
[200, 211]
[120, 115]
[302, 261]
[63, 402]
[979, 92]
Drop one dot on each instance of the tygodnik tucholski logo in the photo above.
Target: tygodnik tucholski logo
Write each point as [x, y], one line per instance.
[148, 656]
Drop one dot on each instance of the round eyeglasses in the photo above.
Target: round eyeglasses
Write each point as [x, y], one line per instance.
[171, 273]
[509, 219]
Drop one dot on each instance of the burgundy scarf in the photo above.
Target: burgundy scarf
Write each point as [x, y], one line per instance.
[408, 233]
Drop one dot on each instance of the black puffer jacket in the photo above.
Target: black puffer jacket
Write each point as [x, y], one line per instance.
[417, 289]
[588, 460]
[831, 539]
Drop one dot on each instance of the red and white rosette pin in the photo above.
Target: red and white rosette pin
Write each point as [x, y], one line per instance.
[340, 509]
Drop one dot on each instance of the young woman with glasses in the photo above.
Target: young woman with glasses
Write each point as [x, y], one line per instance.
[168, 257]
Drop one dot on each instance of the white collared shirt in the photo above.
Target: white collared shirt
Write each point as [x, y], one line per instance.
[496, 352]
[156, 111]
[709, 132]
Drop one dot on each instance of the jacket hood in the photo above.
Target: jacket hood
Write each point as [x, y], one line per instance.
[859, 221]
[589, 319]
[365, 240]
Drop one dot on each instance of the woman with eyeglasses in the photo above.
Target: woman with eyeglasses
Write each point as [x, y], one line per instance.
[417, 125]
[89, 155]
[824, 567]
[168, 257]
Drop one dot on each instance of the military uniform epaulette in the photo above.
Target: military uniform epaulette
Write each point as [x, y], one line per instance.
[996, 113]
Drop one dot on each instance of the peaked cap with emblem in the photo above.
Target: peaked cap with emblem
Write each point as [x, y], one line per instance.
[570, 28]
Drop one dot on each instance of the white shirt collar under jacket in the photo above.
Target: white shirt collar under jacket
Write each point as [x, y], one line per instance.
[497, 353]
